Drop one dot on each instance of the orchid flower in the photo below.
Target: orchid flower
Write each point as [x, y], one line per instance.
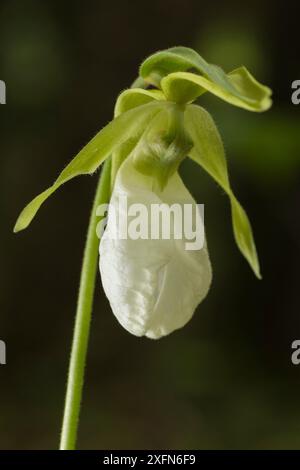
[153, 285]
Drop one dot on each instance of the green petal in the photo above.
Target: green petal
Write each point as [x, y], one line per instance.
[135, 97]
[208, 151]
[245, 91]
[93, 154]
[250, 89]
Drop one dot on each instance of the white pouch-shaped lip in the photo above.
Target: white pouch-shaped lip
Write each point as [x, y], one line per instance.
[153, 285]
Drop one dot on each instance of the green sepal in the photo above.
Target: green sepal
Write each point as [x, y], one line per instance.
[177, 59]
[125, 126]
[208, 152]
[168, 71]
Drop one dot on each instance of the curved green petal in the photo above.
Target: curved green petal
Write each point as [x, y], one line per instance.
[134, 97]
[250, 89]
[208, 152]
[245, 93]
[125, 126]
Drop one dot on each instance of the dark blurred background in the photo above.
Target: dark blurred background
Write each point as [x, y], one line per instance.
[226, 380]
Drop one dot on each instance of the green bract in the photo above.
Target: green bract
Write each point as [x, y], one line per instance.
[159, 127]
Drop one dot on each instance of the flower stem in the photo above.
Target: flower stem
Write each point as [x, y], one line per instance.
[83, 318]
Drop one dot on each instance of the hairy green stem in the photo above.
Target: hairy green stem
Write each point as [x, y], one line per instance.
[83, 318]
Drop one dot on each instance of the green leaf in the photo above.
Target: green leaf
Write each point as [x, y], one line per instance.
[247, 93]
[208, 152]
[125, 126]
